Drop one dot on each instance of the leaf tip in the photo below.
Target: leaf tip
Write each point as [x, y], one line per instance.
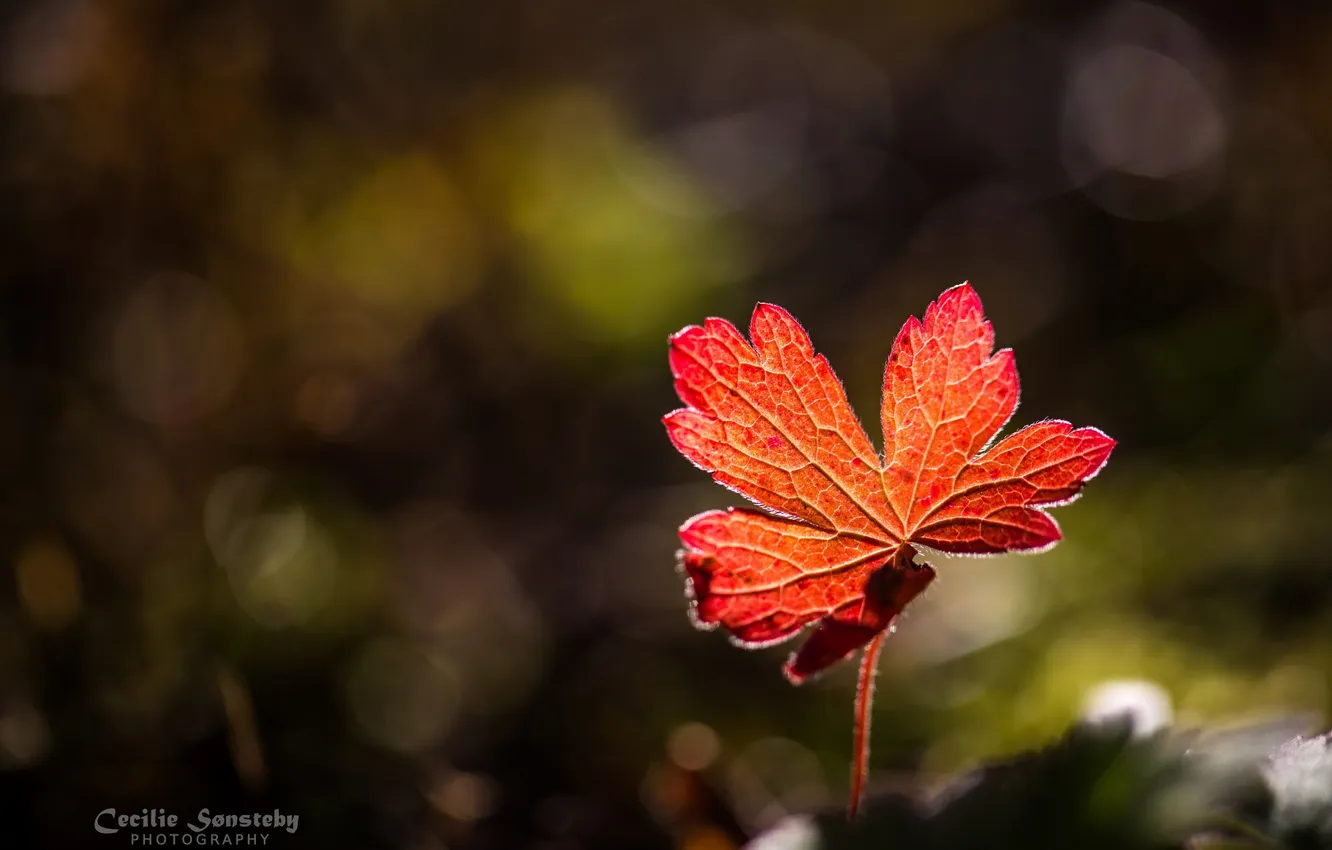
[674, 339]
[961, 299]
[794, 676]
[773, 316]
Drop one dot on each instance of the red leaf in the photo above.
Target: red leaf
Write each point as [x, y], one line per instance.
[770, 420]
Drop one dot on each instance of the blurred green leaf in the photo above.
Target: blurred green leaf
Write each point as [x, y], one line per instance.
[1101, 786]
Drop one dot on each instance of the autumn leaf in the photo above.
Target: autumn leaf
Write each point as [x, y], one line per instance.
[838, 546]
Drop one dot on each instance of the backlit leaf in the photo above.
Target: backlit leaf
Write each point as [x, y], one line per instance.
[768, 418]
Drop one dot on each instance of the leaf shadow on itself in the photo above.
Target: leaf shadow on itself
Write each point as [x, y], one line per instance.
[1101, 787]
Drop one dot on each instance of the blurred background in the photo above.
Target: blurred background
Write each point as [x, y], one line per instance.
[333, 357]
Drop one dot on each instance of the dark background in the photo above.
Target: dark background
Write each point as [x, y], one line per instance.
[332, 362]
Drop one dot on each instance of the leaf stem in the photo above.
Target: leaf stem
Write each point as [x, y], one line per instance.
[860, 733]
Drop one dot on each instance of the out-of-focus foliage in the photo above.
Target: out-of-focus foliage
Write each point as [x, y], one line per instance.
[1104, 786]
[332, 362]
